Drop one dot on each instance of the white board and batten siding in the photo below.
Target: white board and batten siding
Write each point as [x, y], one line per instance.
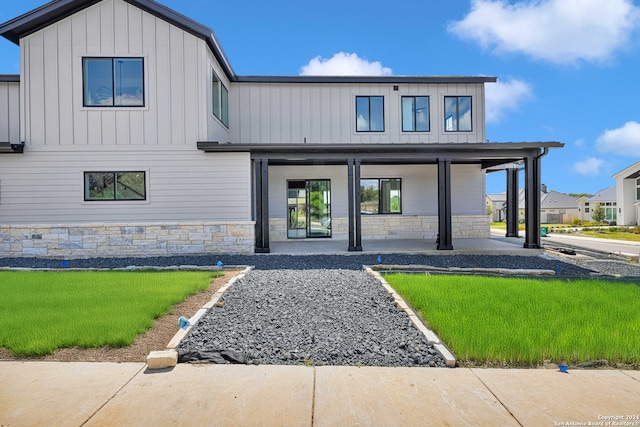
[64, 138]
[264, 113]
[10, 112]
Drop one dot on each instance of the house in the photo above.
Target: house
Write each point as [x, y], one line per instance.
[628, 195]
[555, 207]
[604, 198]
[128, 132]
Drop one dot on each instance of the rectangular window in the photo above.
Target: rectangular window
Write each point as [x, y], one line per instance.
[100, 186]
[586, 210]
[220, 101]
[381, 196]
[457, 113]
[113, 82]
[638, 189]
[415, 114]
[370, 113]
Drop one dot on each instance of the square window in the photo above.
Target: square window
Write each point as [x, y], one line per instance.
[113, 82]
[370, 113]
[415, 114]
[381, 196]
[457, 114]
[101, 186]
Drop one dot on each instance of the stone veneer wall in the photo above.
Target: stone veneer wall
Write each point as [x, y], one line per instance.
[124, 240]
[397, 227]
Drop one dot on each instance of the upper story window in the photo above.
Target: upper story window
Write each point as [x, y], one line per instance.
[381, 196]
[105, 186]
[638, 189]
[457, 113]
[415, 114]
[370, 113]
[113, 82]
[220, 101]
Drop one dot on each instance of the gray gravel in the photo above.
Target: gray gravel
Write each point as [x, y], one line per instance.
[315, 316]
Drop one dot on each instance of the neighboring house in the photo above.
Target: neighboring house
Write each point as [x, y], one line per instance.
[555, 207]
[605, 198]
[127, 132]
[628, 195]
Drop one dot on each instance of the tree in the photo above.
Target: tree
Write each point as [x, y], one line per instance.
[598, 214]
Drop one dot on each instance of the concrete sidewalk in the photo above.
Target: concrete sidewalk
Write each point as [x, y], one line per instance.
[110, 394]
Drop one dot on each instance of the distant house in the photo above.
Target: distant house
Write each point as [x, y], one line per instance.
[605, 198]
[628, 195]
[555, 207]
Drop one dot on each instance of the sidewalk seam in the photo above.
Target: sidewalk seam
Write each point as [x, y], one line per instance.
[497, 398]
[113, 395]
[313, 397]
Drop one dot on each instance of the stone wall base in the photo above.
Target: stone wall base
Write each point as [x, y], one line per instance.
[69, 241]
[397, 227]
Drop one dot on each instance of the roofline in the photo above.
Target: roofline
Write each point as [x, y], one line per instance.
[9, 78]
[626, 170]
[366, 79]
[56, 10]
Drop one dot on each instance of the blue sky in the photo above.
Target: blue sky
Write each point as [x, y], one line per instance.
[568, 70]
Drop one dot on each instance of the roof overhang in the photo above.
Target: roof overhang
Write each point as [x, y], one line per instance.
[7, 147]
[486, 154]
[632, 171]
[10, 78]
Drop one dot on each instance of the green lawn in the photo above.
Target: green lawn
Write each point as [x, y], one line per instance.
[43, 311]
[527, 321]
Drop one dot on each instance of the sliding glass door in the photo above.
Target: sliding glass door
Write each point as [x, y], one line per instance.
[309, 208]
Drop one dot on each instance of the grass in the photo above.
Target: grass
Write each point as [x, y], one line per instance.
[525, 322]
[43, 311]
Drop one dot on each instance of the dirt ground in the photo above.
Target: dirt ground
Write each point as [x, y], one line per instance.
[155, 338]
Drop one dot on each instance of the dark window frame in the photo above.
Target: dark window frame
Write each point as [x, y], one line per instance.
[87, 197]
[457, 98]
[368, 97]
[380, 198]
[414, 97]
[220, 96]
[113, 78]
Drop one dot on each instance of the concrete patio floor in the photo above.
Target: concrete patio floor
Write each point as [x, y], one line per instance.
[495, 245]
[111, 394]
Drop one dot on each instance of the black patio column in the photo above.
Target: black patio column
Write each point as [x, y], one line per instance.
[262, 205]
[532, 202]
[356, 198]
[512, 201]
[445, 239]
[352, 208]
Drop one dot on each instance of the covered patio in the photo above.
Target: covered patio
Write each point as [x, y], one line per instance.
[489, 156]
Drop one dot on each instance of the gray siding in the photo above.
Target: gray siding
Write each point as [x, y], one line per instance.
[10, 112]
[325, 113]
[183, 185]
[176, 80]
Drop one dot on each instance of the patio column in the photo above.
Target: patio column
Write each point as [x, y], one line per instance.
[512, 200]
[355, 216]
[262, 205]
[445, 240]
[532, 202]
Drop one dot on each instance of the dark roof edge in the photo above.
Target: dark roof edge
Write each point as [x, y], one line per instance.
[9, 78]
[56, 10]
[365, 79]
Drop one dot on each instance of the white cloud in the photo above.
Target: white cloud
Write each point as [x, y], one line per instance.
[591, 166]
[560, 31]
[500, 97]
[579, 142]
[344, 64]
[624, 141]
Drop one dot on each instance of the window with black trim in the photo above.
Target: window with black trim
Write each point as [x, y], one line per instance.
[415, 114]
[638, 189]
[101, 186]
[113, 82]
[457, 114]
[370, 113]
[381, 196]
[220, 101]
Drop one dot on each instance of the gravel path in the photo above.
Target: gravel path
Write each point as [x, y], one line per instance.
[317, 316]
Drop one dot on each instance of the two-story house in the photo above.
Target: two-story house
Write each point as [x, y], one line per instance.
[127, 132]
